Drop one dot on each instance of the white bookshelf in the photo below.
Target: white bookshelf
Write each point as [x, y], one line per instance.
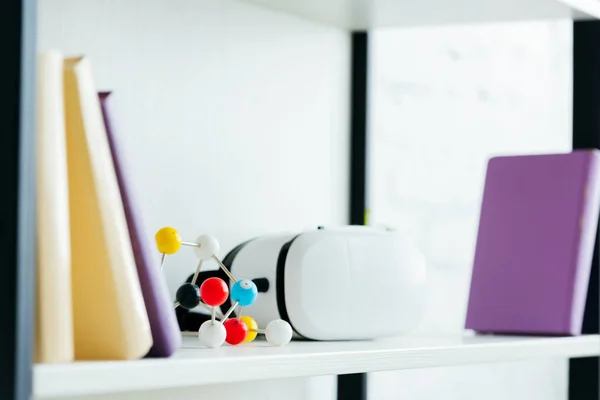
[197, 366]
[194, 366]
[367, 14]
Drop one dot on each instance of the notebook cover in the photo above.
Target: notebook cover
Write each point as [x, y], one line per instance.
[535, 244]
[163, 323]
[109, 316]
[54, 320]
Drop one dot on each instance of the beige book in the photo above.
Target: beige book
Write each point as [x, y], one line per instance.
[109, 315]
[54, 322]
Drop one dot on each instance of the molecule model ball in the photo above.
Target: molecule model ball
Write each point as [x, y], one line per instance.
[278, 332]
[208, 247]
[212, 334]
[244, 292]
[252, 328]
[188, 296]
[168, 240]
[236, 331]
[214, 292]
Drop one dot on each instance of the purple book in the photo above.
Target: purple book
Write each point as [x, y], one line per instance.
[163, 323]
[535, 244]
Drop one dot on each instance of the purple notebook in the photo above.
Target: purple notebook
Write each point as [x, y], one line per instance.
[535, 244]
[163, 323]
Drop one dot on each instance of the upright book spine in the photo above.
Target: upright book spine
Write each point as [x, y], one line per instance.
[110, 319]
[588, 225]
[54, 319]
[163, 323]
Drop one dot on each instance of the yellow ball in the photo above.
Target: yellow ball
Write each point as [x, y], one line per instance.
[252, 328]
[168, 240]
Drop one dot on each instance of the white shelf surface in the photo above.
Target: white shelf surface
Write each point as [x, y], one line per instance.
[366, 14]
[195, 366]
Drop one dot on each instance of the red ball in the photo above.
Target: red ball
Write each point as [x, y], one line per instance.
[214, 292]
[236, 331]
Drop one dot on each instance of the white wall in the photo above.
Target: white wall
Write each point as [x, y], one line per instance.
[233, 118]
[443, 100]
[230, 126]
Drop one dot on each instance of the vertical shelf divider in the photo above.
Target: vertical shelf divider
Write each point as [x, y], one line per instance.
[584, 373]
[354, 386]
[17, 204]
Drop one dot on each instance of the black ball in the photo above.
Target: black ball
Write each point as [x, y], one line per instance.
[188, 296]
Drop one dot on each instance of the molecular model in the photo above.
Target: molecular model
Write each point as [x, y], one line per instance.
[213, 292]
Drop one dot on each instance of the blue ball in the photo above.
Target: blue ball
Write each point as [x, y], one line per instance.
[244, 292]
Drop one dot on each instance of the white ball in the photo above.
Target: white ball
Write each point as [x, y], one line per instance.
[212, 334]
[278, 332]
[209, 246]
